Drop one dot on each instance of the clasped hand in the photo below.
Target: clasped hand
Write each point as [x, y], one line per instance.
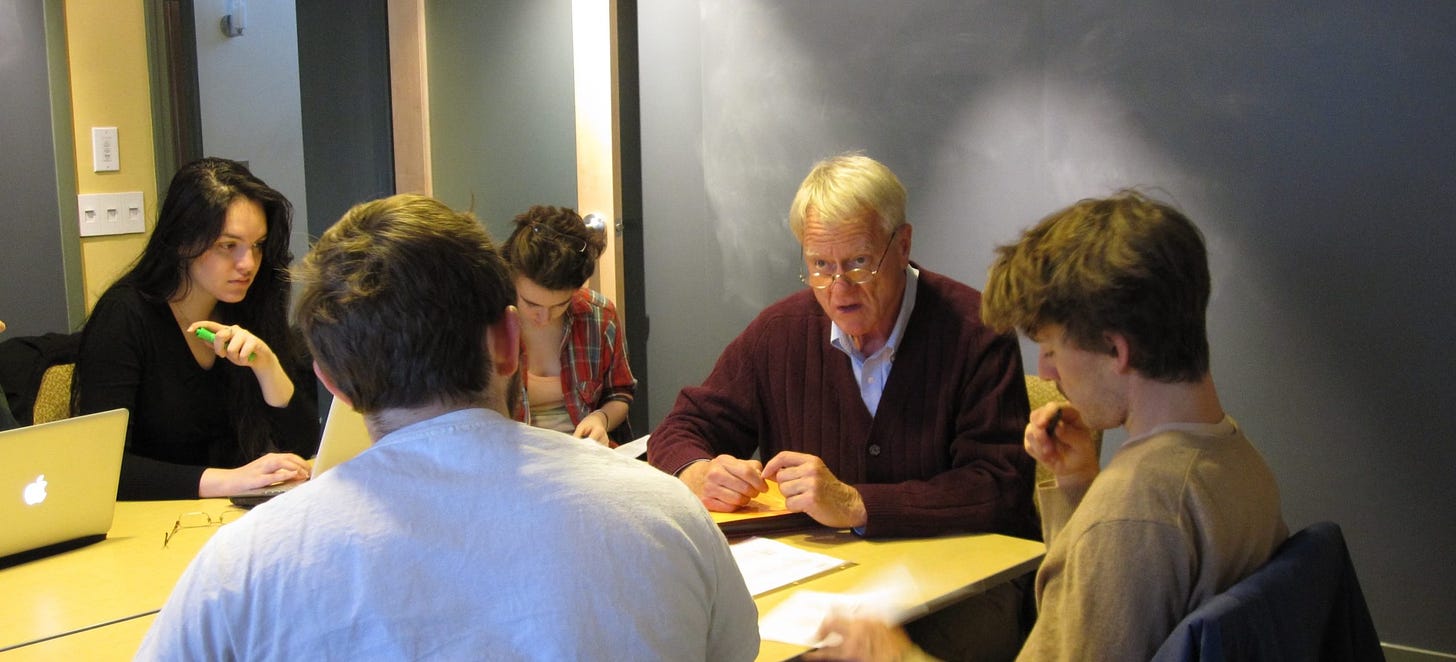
[726, 483]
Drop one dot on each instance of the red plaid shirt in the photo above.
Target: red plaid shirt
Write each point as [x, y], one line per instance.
[594, 368]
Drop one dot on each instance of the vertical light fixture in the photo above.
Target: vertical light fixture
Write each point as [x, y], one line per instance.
[598, 157]
[235, 21]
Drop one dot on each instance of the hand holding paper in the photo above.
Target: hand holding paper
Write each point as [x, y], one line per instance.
[887, 597]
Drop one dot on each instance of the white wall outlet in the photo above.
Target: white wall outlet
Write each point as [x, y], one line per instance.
[111, 213]
[105, 149]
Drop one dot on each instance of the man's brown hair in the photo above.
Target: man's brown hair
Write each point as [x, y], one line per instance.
[395, 299]
[1126, 264]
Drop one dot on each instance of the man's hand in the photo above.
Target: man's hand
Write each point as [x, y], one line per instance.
[809, 487]
[1056, 437]
[863, 640]
[725, 483]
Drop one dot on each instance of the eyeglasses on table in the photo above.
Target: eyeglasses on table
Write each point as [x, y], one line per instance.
[199, 520]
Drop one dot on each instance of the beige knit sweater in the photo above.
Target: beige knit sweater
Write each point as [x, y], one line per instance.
[1177, 516]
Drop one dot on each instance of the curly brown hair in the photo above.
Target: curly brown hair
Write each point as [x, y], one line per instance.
[553, 247]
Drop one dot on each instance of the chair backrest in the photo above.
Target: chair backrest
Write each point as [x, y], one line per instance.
[1039, 392]
[1304, 604]
[24, 361]
[53, 398]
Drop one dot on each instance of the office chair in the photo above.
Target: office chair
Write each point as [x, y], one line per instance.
[25, 362]
[1304, 604]
[53, 398]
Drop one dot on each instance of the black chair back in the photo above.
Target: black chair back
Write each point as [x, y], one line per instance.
[1304, 604]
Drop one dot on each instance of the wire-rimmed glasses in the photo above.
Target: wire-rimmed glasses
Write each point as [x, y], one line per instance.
[198, 520]
[858, 275]
[574, 243]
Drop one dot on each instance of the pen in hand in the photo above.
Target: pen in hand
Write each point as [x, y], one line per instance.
[1052, 423]
[208, 336]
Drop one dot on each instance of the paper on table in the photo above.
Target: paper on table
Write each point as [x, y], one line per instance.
[769, 503]
[887, 596]
[635, 448]
[767, 564]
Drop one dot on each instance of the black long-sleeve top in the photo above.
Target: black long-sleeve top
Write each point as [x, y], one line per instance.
[132, 355]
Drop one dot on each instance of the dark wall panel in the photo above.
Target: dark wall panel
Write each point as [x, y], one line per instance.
[502, 107]
[343, 74]
[1313, 146]
[32, 277]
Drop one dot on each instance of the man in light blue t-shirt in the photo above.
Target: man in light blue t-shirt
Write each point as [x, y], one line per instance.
[460, 534]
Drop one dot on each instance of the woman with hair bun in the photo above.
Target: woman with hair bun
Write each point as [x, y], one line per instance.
[574, 373]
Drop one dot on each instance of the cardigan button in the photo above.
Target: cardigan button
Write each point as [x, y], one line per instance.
[874, 450]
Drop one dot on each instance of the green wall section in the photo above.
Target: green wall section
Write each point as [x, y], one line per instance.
[502, 107]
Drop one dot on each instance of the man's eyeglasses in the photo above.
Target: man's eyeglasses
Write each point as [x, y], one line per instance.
[199, 520]
[858, 275]
[574, 243]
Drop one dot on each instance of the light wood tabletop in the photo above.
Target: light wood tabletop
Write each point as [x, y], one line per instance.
[97, 602]
[117, 641]
[125, 576]
[945, 569]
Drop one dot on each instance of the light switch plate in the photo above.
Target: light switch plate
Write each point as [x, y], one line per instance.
[111, 213]
[105, 149]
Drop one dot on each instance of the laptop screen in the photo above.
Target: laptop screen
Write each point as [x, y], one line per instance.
[58, 481]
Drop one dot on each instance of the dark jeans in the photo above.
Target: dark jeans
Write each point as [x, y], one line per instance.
[989, 627]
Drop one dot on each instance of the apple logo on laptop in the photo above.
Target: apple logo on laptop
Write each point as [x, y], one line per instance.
[35, 492]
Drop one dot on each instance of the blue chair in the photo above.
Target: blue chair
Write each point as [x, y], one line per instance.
[1304, 604]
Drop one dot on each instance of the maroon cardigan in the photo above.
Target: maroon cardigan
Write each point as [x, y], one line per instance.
[942, 454]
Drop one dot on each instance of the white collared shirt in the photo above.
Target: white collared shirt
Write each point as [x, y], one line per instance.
[872, 371]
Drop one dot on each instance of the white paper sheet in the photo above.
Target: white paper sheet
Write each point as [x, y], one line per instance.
[767, 564]
[887, 596]
[635, 448]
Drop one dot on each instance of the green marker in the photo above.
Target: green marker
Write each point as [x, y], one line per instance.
[208, 336]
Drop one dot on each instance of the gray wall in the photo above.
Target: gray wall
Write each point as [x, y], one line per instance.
[1314, 147]
[343, 75]
[249, 92]
[502, 107]
[40, 252]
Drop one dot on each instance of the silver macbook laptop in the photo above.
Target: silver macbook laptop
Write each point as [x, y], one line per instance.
[58, 484]
[344, 437]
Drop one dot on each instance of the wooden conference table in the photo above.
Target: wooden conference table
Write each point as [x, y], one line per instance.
[97, 602]
[89, 600]
[945, 569]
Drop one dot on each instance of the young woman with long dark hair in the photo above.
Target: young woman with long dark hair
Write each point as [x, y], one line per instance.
[207, 418]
